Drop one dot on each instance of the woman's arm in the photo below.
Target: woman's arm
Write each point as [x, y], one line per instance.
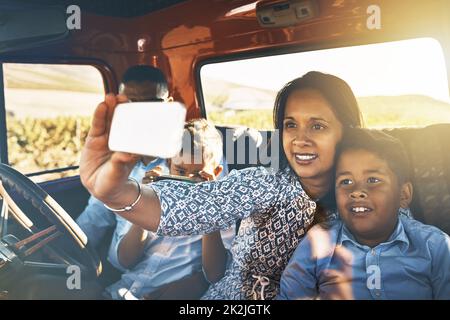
[105, 173]
[188, 208]
[214, 256]
[131, 247]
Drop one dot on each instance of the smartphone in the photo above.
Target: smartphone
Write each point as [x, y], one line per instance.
[172, 177]
[148, 128]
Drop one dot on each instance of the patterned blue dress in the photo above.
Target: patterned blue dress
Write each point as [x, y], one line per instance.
[275, 213]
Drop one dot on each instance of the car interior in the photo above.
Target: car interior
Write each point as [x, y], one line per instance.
[191, 41]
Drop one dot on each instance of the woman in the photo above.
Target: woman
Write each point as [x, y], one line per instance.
[276, 207]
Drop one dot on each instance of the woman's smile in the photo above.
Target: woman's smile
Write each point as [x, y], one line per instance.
[304, 159]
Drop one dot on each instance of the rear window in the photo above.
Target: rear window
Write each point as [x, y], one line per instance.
[48, 110]
[397, 84]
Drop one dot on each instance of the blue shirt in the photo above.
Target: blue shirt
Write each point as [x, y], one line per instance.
[166, 259]
[414, 263]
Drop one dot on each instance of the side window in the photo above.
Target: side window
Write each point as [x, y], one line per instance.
[48, 112]
[397, 84]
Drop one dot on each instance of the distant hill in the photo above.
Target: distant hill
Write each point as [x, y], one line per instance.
[378, 111]
[229, 95]
[53, 77]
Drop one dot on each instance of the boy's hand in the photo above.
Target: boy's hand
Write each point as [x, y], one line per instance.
[149, 175]
[104, 173]
[206, 176]
[340, 280]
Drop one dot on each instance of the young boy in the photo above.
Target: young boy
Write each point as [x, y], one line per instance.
[372, 251]
[160, 267]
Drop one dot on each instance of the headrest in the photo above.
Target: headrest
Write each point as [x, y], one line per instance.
[244, 149]
[429, 152]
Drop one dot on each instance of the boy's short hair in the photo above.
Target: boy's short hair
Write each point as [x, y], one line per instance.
[141, 73]
[386, 147]
[201, 135]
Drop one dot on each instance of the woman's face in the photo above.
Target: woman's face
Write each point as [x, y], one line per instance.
[310, 134]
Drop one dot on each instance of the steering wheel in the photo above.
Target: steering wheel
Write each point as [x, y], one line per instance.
[16, 254]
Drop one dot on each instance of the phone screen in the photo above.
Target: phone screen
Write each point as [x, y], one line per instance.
[148, 128]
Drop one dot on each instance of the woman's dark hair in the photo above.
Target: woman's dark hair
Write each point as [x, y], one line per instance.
[335, 90]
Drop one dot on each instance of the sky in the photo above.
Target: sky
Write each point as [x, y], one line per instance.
[414, 66]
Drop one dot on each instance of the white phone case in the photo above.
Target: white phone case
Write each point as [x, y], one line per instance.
[148, 128]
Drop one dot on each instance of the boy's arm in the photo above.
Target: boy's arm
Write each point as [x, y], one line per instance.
[132, 245]
[299, 278]
[309, 273]
[191, 287]
[214, 256]
[441, 270]
[95, 221]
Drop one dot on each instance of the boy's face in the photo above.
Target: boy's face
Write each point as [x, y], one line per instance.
[185, 166]
[368, 196]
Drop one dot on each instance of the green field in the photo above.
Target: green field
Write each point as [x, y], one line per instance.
[43, 144]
